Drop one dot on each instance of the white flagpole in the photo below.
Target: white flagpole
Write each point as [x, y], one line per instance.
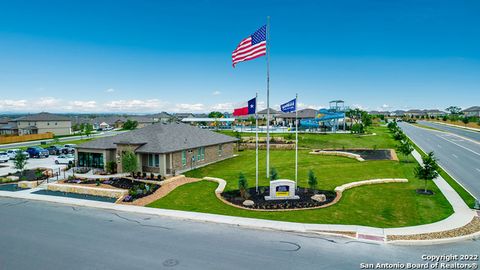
[268, 96]
[296, 141]
[256, 143]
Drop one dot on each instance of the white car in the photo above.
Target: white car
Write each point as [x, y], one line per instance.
[12, 153]
[65, 159]
[4, 157]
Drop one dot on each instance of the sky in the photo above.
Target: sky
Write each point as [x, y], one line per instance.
[175, 56]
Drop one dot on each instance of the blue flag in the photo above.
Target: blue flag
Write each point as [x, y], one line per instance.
[290, 106]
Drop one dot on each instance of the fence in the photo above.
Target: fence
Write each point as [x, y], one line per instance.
[25, 138]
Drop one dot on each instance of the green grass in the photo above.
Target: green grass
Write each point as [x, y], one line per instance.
[384, 205]
[339, 140]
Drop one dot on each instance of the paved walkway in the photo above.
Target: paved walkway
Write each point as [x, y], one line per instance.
[462, 215]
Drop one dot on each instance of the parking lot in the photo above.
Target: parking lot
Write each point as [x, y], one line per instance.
[8, 167]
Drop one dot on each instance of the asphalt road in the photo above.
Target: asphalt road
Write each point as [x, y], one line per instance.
[458, 156]
[469, 134]
[40, 235]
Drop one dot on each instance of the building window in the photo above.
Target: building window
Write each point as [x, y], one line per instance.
[184, 158]
[153, 160]
[56, 123]
[201, 153]
[220, 150]
[48, 123]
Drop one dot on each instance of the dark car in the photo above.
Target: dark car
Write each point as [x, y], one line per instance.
[54, 150]
[37, 152]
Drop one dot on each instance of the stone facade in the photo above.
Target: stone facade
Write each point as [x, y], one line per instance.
[211, 155]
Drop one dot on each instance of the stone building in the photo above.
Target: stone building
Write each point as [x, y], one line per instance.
[160, 148]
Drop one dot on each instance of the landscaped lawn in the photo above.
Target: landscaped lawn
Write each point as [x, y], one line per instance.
[384, 205]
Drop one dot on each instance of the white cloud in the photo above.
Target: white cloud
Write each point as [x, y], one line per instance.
[189, 107]
[302, 106]
[216, 93]
[47, 102]
[84, 106]
[110, 90]
[359, 106]
[13, 105]
[227, 106]
[135, 105]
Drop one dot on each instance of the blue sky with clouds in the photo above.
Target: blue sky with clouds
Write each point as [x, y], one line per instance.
[148, 56]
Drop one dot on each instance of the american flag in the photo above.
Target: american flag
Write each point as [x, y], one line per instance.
[251, 47]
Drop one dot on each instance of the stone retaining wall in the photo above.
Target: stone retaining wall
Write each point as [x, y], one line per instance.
[105, 192]
[342, 188]
[27, 184]
[337, 153]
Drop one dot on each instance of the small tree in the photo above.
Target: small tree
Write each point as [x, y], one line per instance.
[129, 162]
[243, 186]
[465, 120]
[399, 135]
[130, 125]
[429, 169]
[273, 174]
[312, 181]
[405, 147]
[20, 161]
[88, 129]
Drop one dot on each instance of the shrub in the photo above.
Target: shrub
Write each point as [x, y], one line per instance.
[312, 180]
[111, 167]
[243, 186]
[273, 174]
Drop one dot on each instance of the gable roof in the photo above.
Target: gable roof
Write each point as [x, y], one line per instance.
[162, 138]
[43, 116]
[304, 113]
[272, 111]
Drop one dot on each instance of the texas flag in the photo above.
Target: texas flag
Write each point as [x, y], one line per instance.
[249, 109]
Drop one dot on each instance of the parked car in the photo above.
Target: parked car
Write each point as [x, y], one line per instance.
[65, 159]
[37, 152]
[4, 157]
[70, 148]
[12, 153]
[54, 149]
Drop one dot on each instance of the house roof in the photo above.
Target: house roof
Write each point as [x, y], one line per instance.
[43, 116]
[272, 111]
[472, 109]
[4, 120]
[304, 113]
[162, 138]
[161, 115]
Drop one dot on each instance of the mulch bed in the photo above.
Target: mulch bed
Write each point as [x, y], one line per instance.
[304, 201]
[29, 175]
[122, 183]
[470, 228]
[368, 154]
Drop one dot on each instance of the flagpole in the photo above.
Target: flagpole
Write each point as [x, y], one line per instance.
[296, 140]
[256, 143]
[268, 96]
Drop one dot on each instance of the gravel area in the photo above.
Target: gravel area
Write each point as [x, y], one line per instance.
[470, 228]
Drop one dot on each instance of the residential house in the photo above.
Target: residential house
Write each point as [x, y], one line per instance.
[472, 111]
[162, 117]
[165, 149]
[37, 124]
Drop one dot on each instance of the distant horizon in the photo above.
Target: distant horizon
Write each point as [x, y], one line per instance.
[150, 56]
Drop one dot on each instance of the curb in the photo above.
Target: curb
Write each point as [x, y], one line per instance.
[435, 241]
